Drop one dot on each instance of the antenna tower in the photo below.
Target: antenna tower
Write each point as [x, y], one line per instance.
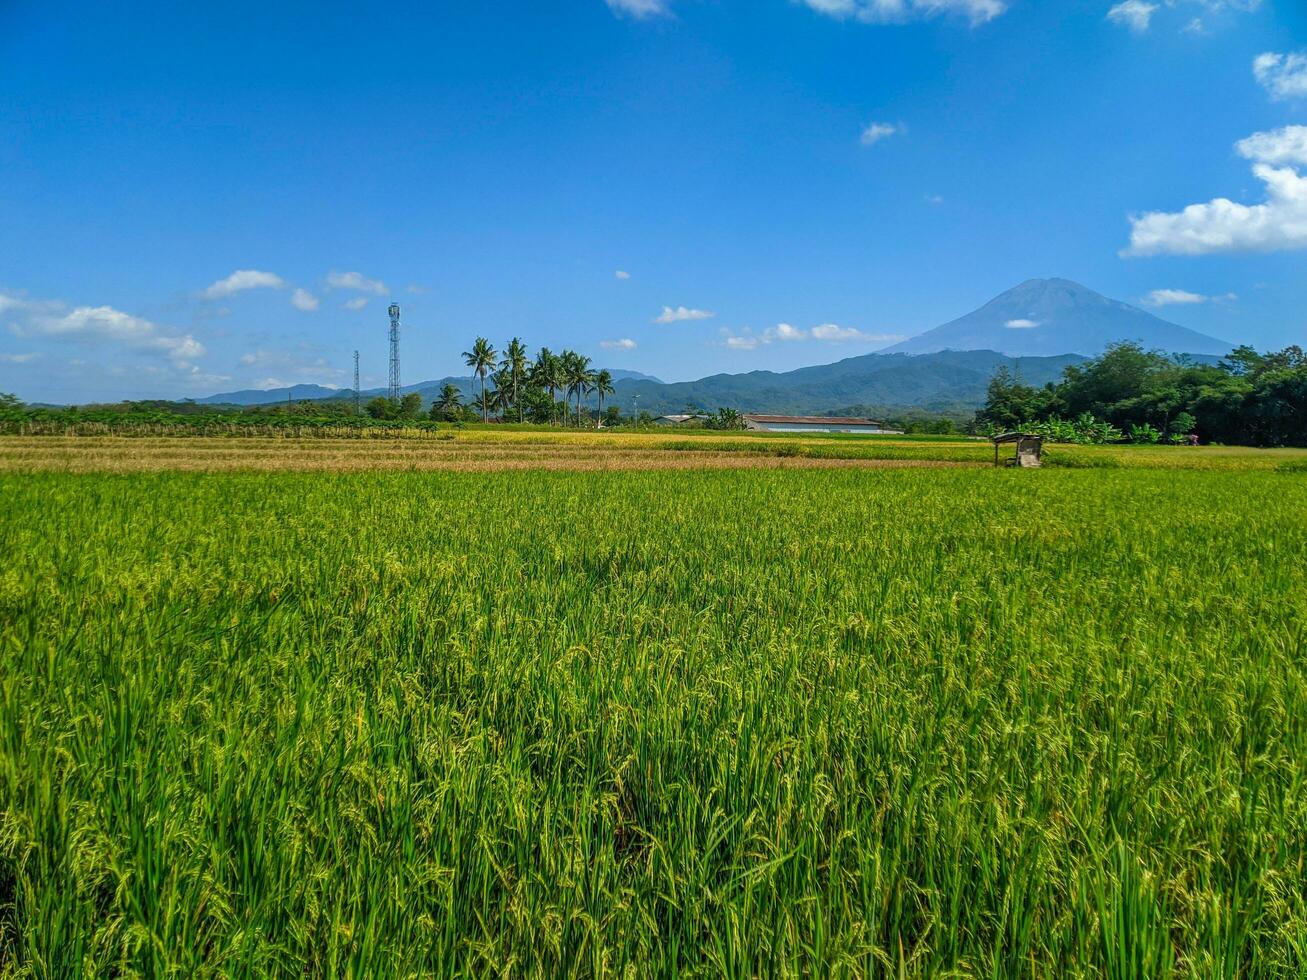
[394, 352]
[356, 383]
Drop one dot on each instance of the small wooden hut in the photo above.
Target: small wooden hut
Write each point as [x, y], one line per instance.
[1029, 449]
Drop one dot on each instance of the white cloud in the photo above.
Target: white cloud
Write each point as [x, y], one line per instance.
[833, 333]
[1279, 147]
[935, 199]
[304, 300]
[626, 343]
[104, 323]
[8, 303]
[416, 290]
[356, 281]
[900, 11]
[1222, 225]
[357, 303]
[681, 313]
[304, 366]
[1182, 297]
[830, 333]
[621, 274]
[876, 132]
[1283, 75]
[783, 332]
[18, 358]
[1022, 324]
[1173, 297]
[1134, 14]
[640, 8]
[241, 280]
[1138, 15]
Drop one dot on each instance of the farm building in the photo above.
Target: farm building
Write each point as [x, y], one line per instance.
[678, 419]
[815, 423]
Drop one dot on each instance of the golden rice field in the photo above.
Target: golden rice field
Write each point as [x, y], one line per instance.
[479, 450]
[507, 706]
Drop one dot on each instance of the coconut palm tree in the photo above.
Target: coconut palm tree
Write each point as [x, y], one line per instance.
[543, 374]
[603, 385]
[576, 370]
[501, 396]
[481, 358]
[514, 363]
[449, 402]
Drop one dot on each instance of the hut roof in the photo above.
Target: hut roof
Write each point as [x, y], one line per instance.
[1014, 437]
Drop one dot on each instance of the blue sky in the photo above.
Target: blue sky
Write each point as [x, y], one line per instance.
[197, 198]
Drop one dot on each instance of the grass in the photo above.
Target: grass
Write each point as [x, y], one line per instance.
[904, 722]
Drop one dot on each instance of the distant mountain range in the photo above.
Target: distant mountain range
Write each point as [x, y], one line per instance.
[429, 390]
[884, 383]
[1035, 330]
[1043, 317]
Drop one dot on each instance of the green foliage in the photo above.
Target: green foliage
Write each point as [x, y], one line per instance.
[1248, 399]
[410, 406]
[258, 725]
[1144, 434]
[449, 406]
[725, 419]
[1083, 431]
[382, 408]
[481, 359]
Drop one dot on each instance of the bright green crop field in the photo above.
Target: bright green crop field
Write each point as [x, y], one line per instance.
[853, 722]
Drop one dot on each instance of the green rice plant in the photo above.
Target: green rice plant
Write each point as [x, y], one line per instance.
[948, 722]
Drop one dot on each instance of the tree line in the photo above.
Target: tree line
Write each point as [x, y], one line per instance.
[1247, 398]
[524, 389]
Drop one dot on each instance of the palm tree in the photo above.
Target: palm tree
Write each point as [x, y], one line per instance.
[576, 369]
[515, 363]
[481, 358]
[501, 396]
[544, 373]
[450, 400]
[603, 382]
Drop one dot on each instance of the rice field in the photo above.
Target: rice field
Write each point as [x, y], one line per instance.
[416, 717]
[492, 449]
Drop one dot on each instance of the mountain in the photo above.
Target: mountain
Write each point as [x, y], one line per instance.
[620, 375]
[269, 396]
[1044, 317]
[1034, 330]
[429, 390]
[886, 383]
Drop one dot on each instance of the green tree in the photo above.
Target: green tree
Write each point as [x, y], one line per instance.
[577, 377]
[1123, 372]
[514, 363]
[501, 396]
[481, 359]
[410, 406]
[382, 408]
[1010, 403]
[726, 418]
[547, 372]
[447, 407]
[603, 385]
